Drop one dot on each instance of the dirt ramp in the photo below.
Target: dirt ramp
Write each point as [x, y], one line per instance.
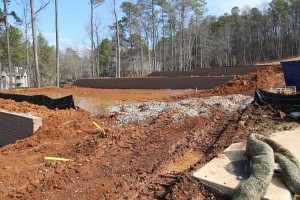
[154, 83]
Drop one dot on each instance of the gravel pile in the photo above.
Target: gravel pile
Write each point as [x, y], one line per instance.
[186, 107]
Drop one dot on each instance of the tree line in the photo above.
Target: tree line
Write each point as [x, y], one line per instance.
[157, 35]
[183, 38]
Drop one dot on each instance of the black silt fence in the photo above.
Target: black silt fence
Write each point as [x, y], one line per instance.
[60, 103]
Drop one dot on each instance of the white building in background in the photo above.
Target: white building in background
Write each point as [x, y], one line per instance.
[19, 79]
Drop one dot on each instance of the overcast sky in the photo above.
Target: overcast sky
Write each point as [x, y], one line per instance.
[74, 17]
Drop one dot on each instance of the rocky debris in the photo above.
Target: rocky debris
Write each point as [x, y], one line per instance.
[186, 107]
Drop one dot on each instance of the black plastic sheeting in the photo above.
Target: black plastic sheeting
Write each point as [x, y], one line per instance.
[60, 103]
[264, 98]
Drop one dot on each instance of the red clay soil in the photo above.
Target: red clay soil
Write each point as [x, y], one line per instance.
[150, 159]
[245, 84]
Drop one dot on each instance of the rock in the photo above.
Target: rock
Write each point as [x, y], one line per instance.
[282, 114]
[30, 188]
[242, 123]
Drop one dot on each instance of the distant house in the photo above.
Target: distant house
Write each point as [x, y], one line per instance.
[19, 79]
[4, 80]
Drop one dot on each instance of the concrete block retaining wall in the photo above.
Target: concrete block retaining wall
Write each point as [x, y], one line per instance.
[16, 126]
[154, 83]
[215, 71]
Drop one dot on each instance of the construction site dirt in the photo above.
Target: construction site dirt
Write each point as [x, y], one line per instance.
[151, 157]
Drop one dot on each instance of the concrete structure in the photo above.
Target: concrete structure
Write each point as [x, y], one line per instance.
[217, 176]
[214, 71]
[16, 126]
[19, 79]
[154, 83]
[290, 140]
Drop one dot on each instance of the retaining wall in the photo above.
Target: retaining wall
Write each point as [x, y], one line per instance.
[15, 126]
[215, 71]
[154, 83]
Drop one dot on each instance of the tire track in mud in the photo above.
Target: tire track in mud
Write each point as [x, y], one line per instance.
[176, 142]
[208, 143]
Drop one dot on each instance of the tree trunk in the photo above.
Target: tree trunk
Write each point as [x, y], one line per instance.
[153, 37]
[57, 43]
[1, 83]
[172, 51]
[92, 39]
[164, 50]
[141, 53]
[27, 54]
[36, 62]
[118, 43]
[8, 46]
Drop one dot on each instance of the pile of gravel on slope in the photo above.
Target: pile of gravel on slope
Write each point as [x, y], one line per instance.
[185, 107]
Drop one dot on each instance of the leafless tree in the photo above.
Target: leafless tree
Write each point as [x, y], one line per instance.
[36, 60]
[57, 43]
[7, 42]
[94, 4]
[118, 54]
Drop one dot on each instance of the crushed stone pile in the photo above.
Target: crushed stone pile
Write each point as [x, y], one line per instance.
[185, 107]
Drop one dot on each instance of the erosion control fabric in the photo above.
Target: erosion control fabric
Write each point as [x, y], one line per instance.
[61, 103]
[261, 151]
[264, 98]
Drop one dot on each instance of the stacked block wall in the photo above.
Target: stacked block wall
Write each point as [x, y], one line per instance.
[15, 126]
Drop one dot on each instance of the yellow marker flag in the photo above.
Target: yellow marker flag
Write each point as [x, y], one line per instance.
[99, 127]
[56, 159]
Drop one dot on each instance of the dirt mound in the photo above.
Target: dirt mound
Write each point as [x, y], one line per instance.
[264, 78]
[246, 84]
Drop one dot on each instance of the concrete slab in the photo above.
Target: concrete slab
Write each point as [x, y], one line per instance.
[290, 140]
[217, 174]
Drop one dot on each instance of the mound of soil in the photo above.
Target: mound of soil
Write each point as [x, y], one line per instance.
[264, 79]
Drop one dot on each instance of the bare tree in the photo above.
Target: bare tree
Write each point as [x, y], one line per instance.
[57, 43]
[94, 4]
[153, 36]
[1, 83]
[7, 41]
[97, 29]
[24, 5]
[35, 55]
[36, 60]
[118, 66]
[92, 38]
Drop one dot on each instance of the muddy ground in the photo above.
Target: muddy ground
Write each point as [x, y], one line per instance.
[152, 158]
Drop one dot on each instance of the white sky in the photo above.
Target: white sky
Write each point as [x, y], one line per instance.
[219, 7]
